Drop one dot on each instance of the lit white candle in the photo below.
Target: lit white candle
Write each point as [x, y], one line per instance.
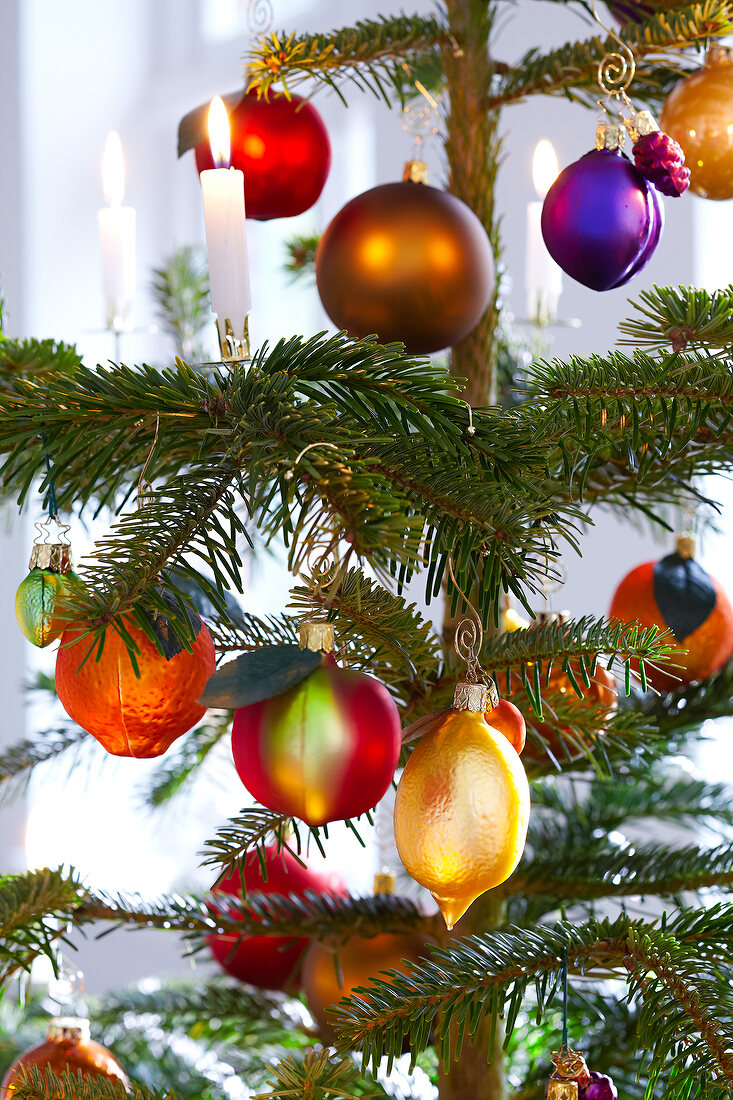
[542, 277]
[117, 237]
[226, 239]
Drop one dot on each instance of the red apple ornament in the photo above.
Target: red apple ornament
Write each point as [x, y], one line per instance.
[282, 147]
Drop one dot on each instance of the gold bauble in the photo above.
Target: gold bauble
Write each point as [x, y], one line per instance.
[699, 115]
[461, 811]
[332, 969]
[408, 262]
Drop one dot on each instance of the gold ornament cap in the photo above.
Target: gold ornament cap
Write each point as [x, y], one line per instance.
[74, 1029]
[415, 171]
[478, 698]
[384, 882]
[317, 637]
[639, 124]
[685, 546]
[54, 556]
[610, 135]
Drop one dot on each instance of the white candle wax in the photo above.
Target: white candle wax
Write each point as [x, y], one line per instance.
[226, 244]
[542, 277]
[117, 237]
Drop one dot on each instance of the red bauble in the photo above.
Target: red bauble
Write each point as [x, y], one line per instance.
[269, 962]
[678, 594]
[134, 716]
[408, 262]
[507, 719]
[67, 1049]
[282, 147]
[322, 751]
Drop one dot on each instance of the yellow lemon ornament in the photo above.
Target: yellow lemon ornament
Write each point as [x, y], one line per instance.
[462, 806]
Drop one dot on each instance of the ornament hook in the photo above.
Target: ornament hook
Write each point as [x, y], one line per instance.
[260, 15]
[320, 556]
[615, 70]
[469, 634]
[144, 488]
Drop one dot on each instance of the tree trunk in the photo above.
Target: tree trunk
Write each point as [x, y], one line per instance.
[472, 149]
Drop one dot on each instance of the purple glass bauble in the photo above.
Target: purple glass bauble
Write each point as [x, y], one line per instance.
[600, 1087]
[601, 220]
[651, 244]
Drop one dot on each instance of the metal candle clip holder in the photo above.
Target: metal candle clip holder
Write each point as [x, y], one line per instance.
[234, 349]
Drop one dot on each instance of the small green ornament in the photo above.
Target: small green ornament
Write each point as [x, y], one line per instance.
[50, 580]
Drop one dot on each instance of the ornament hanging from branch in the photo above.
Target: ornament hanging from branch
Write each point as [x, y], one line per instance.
[49, 583]
[462, 804]
[407, 262]
[603, 216]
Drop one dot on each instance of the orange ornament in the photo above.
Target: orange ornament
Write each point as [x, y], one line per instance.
[67, 1048]
[601, 697]
[677, 593]
[507, 719]
[133, 716]
[332, 970]
[462, 806]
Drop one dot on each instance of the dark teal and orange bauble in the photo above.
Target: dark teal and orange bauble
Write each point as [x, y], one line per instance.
[676, 593]
[323, 750]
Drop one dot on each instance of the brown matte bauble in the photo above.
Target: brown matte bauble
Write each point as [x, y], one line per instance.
[332, 969]
[407, 262]
[601, 697]
[699, 115]
[67, 1048]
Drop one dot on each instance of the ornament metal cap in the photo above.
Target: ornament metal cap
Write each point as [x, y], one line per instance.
[685, 546]
[54, 556]
[639, 124]
[317, 636]
[610, 135]
[415, 171]
[73, 1028]
[384, 882]
[477, 698]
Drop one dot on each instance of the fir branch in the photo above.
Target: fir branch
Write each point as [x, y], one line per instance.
[248, 632]
[301, 251]
[181, 293]
[254, 828]
[484, 976]
[260, 914]
[36, 358]
[41, 1083]
[370, 622]
[681, 317]
[17, 762]
[571, 70]
[316, 1077]
[603, 870]
[377, 55]
[29, 907]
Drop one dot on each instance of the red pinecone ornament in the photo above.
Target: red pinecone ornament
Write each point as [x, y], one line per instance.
[660, 159]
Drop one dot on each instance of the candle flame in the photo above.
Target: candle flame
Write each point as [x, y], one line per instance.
[219, 137]
[544, 167]
[113, 168]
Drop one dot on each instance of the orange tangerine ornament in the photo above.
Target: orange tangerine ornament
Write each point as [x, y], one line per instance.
[677, 593]
[67, 1048]
[130, 715]
[462, 806]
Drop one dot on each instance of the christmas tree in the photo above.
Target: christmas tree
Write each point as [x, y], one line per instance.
[398, 466]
